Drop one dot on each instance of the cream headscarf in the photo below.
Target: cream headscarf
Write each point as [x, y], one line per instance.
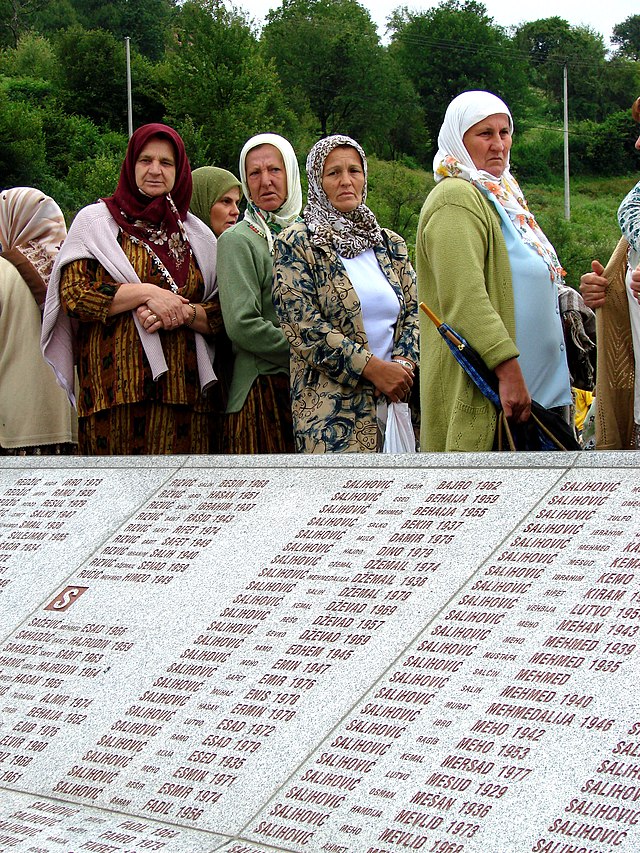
[32, 222]
[263, 221]
[454, 161]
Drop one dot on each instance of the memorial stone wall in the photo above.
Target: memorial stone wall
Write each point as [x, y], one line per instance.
[363, 655]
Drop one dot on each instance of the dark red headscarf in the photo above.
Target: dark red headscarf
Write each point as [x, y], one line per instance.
[128, 205]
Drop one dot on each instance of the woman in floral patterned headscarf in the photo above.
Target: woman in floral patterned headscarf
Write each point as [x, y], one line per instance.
[132, 297]
[486, 268]
[344, 290]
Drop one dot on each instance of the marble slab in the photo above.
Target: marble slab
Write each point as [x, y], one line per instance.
[432, 653]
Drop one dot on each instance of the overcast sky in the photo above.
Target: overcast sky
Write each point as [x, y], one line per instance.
[599, 15]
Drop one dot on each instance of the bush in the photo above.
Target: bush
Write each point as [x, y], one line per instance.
[22, 153]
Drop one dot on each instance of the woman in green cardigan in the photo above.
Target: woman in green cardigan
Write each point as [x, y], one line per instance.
[259, 407]
[485, 267]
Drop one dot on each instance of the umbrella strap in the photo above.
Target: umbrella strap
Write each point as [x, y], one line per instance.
[548, 433]
[504, 430]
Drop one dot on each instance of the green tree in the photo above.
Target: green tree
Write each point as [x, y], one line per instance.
[452, 48]
[552, 43]
[18, 17]
[145, 22]
[33, 57]
[328, 56]
[22, 153]
[215, 75]
[627, 36]
[92, 79]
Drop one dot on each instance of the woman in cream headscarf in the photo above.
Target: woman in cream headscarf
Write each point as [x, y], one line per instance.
[259, 411]
[35, 414]
[485, 267]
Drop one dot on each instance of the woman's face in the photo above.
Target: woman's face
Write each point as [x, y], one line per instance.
[343, 178]
[266, 177]
[488, 143]
[156, 168]
[224, 212]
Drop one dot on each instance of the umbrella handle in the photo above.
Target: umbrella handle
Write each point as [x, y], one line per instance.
[443, 331]
[434, 319]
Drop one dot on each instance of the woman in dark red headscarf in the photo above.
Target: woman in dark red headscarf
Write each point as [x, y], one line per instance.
[132, 302]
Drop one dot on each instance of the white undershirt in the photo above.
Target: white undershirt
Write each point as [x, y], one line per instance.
[378, 302]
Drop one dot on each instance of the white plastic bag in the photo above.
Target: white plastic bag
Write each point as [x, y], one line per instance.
[399, 436]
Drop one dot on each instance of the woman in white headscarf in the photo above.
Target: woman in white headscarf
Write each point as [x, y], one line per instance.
[486, 268]
[35, 414]
[259, 410]
[344, 290]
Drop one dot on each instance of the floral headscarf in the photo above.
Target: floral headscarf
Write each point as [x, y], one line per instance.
[156, 223]
[454, 161]
[350, 233]
[33, 223]
[267, 222]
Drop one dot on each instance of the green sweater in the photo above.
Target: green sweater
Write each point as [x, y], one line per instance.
[245, 271]
[464, 277]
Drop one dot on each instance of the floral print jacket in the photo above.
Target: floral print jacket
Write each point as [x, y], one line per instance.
[333, 408]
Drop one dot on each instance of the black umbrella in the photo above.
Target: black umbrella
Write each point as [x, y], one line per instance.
[545, 430]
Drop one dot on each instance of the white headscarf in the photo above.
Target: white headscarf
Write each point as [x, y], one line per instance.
[267, 221]
[454, 161]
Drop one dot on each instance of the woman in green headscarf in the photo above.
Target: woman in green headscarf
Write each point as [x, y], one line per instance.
[215, 199]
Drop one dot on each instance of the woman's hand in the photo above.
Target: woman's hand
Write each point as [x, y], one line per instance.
[635, 283]
[390, 378]
[514, 395]
[593, 286]
[164, 310]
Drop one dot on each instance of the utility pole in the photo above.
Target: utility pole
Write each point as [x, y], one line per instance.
[567, 195]
[127, 42]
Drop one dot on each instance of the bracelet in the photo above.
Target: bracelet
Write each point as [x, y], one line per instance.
[404, 362]
[195, 312]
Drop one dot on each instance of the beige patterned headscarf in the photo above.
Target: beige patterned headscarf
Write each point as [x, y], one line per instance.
[32, 222]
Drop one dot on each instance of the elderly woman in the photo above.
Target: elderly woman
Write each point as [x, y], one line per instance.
[486, 268]
[259, 409]
[132, 293]
[615, 294]
[215, 198]
[345, 294]
[35, 415]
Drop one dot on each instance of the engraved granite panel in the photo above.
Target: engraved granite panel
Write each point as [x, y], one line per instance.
[351, 656]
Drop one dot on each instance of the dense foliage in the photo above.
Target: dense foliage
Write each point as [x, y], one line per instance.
[317, 67]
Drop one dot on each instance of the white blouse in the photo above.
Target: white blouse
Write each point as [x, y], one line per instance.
[378, 301]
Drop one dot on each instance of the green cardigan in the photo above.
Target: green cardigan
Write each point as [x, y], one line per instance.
[245, 272]
[464, 276]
